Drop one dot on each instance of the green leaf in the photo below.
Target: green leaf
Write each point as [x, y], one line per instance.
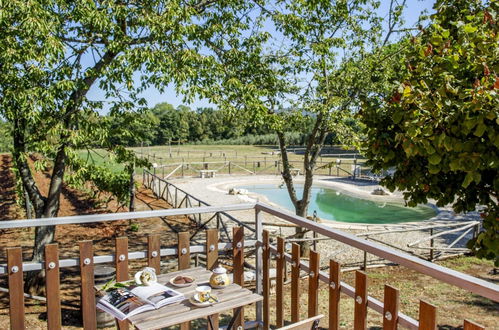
[468, 28]
[407, 91]
[434, 159]
[467, 180]
[480, 129]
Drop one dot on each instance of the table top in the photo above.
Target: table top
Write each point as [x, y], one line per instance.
[232, 296]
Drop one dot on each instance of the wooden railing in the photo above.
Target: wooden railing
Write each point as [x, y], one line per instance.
[341, 167]
[15, 267]
[265, 250]
[178, 198]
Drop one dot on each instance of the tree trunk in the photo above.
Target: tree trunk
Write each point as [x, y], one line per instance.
[301, 206]
[315, 142]
[34, 283]
[131, 207]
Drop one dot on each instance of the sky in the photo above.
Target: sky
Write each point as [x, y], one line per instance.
[414, 8]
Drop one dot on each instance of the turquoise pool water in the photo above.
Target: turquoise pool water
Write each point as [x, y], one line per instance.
[333, 205]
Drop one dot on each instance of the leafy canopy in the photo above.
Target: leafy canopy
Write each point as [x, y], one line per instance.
[439, 128]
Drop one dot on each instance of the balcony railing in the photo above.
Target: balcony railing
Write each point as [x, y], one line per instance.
[258, 240]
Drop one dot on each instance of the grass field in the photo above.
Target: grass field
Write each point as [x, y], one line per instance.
[243, 159]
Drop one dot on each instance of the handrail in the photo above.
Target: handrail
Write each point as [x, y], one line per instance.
[121, 216]
[464, 281]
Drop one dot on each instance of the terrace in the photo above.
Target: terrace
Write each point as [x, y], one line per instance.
[245, 239]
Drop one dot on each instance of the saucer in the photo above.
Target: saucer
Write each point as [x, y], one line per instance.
[195, 301]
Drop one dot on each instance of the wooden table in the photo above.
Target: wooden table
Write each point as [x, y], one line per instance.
[233, 296]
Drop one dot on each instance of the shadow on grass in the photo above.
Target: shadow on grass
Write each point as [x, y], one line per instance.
[486, 304]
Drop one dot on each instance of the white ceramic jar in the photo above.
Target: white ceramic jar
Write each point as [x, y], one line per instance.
[219, 278]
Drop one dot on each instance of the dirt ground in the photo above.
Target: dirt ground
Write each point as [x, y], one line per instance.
[453, 304]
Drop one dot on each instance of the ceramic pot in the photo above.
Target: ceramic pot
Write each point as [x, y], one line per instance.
[219, 278]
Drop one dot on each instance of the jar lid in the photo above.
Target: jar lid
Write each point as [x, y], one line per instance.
[220, 270]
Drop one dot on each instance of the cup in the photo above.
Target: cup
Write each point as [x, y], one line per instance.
[203, 293]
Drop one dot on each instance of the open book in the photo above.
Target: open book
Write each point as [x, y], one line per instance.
[126, 301]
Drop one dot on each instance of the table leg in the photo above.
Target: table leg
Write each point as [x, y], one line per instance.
[210, 324]
[234, 318]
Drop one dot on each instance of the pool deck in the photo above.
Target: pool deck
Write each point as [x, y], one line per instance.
[214, 191]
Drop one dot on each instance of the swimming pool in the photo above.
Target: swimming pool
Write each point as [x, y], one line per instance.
[333, 205]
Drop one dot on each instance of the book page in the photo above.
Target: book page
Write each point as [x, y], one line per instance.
[123, 303]
[157, 294]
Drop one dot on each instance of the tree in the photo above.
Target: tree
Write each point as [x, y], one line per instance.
[55, 52]
[439, 127]
[315, 75]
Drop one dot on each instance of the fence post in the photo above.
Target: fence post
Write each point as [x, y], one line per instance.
[16, 296]
[89, 314]
[279, 290]
[52, 286]
[427, 316]
[266, 280]
[360, 310]
[121, 264]
[184, 261]
[391, 308]
[313, 285]
[258, 253]
[154, 252]
[211, 262]
[295, 283]
[469, 325]
[238, 262]
[334, 294]
[184, 255]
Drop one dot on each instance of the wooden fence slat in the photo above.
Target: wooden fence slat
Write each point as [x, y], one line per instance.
[88, 311]
[427, 316]
[16, 287]
[279, 290]
[154, 252]
[391, 308]
[295, 283]
[184, 253]
[360, 310]
[470, 325]
[121, 263]
[266, 280]
[238, 262]
[211, 262]
[211, 248]
[334, 294]
[52, 286]
[184, 261]
[313, 284]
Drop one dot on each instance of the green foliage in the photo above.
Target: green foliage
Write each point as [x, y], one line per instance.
[5, 140]
[439, 127]
[294, 138]
[55, 52]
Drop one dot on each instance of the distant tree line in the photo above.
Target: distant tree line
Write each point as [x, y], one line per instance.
[164, 124]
